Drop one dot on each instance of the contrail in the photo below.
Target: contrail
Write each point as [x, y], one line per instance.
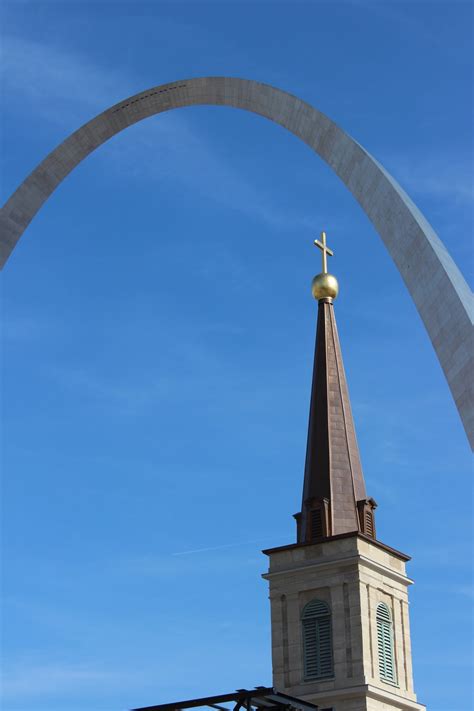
[227, 545]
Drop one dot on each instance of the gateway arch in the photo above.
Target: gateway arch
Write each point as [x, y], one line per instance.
[437, 287]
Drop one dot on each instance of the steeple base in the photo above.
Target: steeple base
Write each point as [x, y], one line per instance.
[340, 627]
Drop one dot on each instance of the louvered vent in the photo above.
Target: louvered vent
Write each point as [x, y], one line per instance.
[369, 523]
[366, 509]
[317, 641]
[316, 524]
[385, 644]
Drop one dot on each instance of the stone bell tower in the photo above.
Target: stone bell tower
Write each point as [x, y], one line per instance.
[339, 596]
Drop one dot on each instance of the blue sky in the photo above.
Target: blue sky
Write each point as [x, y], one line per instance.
[158, 340]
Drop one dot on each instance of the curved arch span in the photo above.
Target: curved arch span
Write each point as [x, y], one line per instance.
[436, 285]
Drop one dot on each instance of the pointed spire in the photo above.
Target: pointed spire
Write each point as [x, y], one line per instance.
[334, 495]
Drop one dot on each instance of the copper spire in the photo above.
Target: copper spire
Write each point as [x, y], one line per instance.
[334, 496]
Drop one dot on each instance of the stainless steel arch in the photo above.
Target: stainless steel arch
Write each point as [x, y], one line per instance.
[441, 295]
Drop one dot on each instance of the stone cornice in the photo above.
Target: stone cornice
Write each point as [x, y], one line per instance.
[352, 534]
[346, 560]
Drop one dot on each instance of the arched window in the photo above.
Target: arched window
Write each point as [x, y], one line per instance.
[317, 640]
[385, 644]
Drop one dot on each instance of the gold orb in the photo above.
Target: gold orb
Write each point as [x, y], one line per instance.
[324, 286]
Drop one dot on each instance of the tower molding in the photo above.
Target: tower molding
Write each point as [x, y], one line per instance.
[341, 559]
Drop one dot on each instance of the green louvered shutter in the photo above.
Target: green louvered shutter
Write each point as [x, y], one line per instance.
[385, 644]
[317, 640]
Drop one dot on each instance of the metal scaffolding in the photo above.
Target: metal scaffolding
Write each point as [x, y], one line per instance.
[259, 699]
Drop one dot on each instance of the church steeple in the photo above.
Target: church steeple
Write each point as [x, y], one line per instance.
[334, 496]
[339, 597]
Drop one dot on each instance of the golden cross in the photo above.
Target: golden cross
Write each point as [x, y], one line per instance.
[325, 250]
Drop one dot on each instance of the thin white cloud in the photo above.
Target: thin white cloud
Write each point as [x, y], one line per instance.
[56, 82]
[396, 13]
[134, 397]
[61, 86]
[170, 149]
[24, 329]
[122, 397]
[449, 555]
[461, 589]
[27, 679]
[437, 176]
[193, 371]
